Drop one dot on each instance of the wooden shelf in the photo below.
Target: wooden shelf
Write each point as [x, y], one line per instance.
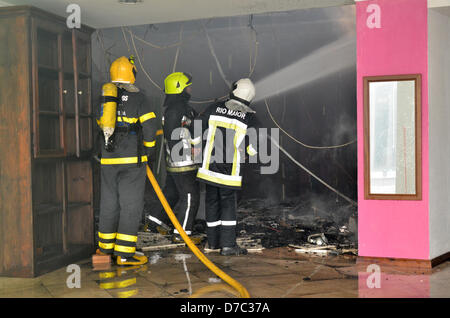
[83, 75]
[68, 75]
[46, 208]
[48, 68]
[48, 252]
[75, 252]
[72, 115]
[75, 205]
[49, 113]
[49, 154]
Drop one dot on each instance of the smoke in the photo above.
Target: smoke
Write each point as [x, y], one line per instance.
[314, 206]
[329, 59]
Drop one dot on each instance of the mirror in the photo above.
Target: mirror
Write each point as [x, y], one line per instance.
[392, 137]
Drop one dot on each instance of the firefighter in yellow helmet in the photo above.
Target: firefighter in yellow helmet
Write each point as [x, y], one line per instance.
[129, 127]
[181, 188]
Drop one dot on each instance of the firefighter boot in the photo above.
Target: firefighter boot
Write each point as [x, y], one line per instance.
[98, 252]
[235, 250]
[133, 260]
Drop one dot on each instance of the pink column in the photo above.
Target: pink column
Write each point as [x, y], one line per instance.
[393, 286]
[394, 229]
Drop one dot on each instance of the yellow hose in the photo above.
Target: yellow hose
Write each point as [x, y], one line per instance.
[235, 284]
[214, 288]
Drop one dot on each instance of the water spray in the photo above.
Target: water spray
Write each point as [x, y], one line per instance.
[329, 59]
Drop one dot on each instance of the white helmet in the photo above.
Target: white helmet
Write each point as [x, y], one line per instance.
[243, 91]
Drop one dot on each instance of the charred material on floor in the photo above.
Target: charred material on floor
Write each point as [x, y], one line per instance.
[312, 224]
[305, 222]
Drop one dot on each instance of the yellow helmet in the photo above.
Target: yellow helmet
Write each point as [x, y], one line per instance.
[123, 70]
[176, 82]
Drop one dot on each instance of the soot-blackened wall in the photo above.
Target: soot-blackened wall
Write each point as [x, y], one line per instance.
[303, 64]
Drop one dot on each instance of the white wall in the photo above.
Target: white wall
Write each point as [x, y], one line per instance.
[439, 117]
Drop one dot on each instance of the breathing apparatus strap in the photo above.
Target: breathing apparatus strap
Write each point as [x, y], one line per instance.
[129, 128]
[137, 128]
[107, 99]
[243, 101]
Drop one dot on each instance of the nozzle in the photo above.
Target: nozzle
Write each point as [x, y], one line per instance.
[109, 139]
[109, 146]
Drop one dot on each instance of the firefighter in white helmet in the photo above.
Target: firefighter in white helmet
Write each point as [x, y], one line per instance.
[227, 123]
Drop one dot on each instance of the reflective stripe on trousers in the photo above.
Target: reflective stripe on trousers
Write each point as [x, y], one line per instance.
[220, 216]
[186, 216]
[121, 206]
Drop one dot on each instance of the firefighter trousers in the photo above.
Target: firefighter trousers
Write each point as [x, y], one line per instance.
[121, 207]
[220, 209]
[182, 192]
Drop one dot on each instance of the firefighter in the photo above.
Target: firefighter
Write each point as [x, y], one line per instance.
[129, 128]
[181, 188]
[227, 123]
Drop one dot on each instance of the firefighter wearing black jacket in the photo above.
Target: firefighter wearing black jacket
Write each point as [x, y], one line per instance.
[123, 164]
[227, 123]
[181, 188]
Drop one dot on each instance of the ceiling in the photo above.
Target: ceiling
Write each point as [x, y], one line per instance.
[444, 10]
[110, 13]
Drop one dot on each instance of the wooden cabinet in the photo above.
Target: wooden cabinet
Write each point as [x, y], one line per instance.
[46, 170]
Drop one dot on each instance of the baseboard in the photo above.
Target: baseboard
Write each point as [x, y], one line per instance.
[404, 263]
[440, 259]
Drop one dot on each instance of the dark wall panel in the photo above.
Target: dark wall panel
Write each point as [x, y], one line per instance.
[303, 64]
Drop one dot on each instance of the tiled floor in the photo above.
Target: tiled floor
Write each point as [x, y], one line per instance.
[275, 273]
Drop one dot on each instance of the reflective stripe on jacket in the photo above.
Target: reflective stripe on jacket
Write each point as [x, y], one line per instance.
[133, 109]
[223, 151]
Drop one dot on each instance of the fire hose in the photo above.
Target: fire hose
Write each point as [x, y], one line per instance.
[225, 277]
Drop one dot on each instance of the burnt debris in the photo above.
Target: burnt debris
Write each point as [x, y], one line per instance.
[306, 221]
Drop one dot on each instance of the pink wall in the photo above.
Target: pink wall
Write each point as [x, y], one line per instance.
[397, 229]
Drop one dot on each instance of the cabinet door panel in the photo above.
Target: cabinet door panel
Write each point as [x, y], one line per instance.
[47, 93]
[84, 95]
[71, 138]
[47, 184]
[49, 234]
[49, 133]
[80, 231]
[86, 134]
[83, 54]
[79, 198]
[69, 94]
[83, 103]
[47, 48]
[48, 90]
[67, 53]
[79, 182]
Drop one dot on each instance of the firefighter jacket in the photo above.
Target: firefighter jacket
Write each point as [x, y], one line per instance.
[178, 123]
[134, 135]
[227, 123]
